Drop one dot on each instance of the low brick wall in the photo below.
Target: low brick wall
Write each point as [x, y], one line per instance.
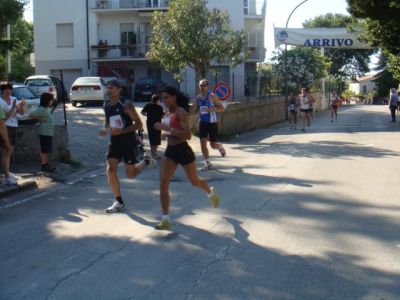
[28, 146]
[240, 117]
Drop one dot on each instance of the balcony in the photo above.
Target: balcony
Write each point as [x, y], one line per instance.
[255, 9]
[140, 5]
[255, 54]
[255, 46]
[129, 52]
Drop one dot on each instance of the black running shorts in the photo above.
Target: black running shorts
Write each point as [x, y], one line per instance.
[46, 143]
[181, 154]
[123, 147]
[208, 131]
[12, 135]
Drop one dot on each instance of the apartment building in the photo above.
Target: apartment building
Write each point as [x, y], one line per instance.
[110, 38]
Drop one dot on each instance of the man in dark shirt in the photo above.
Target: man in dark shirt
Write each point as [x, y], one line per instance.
[121, 121]
[154, 113]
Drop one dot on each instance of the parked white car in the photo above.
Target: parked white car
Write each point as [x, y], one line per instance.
[40, 84]
[87, 90]
[20, 92]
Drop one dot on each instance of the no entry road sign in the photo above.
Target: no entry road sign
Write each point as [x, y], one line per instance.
[222, 90]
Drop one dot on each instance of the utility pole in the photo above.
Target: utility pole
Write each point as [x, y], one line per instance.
[9, 65]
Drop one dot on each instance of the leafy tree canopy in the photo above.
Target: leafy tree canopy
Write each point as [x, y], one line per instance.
[380, 26]
[10, 12]
[305, 66]
[189, 34]
[349, 63]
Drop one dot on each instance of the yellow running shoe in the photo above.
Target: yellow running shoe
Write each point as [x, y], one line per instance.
[164, 225]
[214, 198]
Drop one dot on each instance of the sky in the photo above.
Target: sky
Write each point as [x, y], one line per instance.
[277, 14]
[278, 11]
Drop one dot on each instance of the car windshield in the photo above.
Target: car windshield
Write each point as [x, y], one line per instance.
[23, 93]
[146, 81]
[85, 80]
[38, 82]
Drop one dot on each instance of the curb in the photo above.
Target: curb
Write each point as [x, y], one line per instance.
[12, 190]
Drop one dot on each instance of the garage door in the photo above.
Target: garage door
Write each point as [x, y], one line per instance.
[69, 76]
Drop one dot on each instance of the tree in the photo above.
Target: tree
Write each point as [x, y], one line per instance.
[22, 35]
[305, 66]
[189, 34]
[380, 27]
[344, 63]
[385, 79]
[10, 12]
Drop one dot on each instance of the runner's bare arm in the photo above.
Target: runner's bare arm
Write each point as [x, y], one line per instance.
[133, 114]
[218, 104]
[195, 107]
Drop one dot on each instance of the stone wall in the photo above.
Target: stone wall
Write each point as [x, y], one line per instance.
[28, 146]
[240, 117]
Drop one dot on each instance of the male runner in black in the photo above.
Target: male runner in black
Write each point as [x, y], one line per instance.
[121, 122]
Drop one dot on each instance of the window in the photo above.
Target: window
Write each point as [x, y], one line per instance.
[154, 73]
[128, 37]
[65, 35]
[365, 89]
[246, 7]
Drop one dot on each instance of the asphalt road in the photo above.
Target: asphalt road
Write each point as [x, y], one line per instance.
[303, 216]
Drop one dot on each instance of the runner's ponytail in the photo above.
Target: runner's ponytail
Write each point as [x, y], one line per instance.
[181, 99]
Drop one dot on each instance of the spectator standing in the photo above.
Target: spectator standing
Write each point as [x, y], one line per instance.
[154, 113]
[393, 102]
[46, 129]
[11, 106]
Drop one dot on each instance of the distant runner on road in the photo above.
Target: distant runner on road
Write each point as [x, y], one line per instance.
[306, 100]
[293, 104]
[334, 103]
[208, 105]
[177, 132]
[121, 121]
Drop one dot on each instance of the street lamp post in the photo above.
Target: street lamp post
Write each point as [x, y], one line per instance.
[286, 60]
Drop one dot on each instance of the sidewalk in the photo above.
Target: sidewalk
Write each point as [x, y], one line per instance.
[31, 177]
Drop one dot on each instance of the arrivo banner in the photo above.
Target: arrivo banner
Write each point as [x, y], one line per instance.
[318, 37]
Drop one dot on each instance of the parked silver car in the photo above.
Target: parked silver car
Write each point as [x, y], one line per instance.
[20, 92]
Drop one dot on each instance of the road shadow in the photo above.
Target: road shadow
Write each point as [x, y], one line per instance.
[189, 263]
[318, 149]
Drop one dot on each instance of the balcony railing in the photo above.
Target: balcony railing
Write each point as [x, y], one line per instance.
[255, 39]
[131, 51]
[255, 53]
[131, 4]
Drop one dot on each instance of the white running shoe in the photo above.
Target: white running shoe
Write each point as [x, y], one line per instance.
[150, 162]
[10, 181]
[15, 176]
[207, 166]
[116, 207]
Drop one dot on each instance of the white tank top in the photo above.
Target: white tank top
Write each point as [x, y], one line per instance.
[12, 121]
[304, 102]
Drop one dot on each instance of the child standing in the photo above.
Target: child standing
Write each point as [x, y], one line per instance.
[46, 129]
[154, 113]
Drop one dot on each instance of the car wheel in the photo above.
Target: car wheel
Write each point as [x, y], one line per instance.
[74, 103]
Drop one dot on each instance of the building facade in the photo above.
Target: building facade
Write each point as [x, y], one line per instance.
[110, 38]
[363, 85]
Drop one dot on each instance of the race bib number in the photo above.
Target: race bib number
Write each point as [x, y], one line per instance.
[204, 110]
[292, 107]
[116, 122]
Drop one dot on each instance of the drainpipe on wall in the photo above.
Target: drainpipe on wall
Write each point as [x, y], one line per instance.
[87, 36]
